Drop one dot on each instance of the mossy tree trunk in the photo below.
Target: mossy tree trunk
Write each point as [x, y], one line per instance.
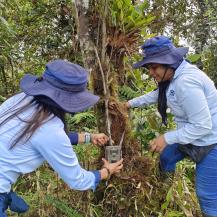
[92, 33]
[103, 50]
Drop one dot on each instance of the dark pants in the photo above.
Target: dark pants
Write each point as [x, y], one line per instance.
[206, 176]
[3, 205]
[13, 201]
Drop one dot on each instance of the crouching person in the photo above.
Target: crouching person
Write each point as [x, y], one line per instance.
[192, 98]
[33, 130]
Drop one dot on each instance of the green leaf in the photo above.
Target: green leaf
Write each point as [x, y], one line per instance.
[168, 199]
[119, 4]
[194, 57]
[4, 21]
[61, 205]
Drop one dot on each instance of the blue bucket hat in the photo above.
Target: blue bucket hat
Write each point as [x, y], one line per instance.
[63, 82]
[160, 49]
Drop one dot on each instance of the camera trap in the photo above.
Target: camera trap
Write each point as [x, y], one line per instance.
[113, 153]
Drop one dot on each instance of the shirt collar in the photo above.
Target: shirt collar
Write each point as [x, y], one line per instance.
[179, 69]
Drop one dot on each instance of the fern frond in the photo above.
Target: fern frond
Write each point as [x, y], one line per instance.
[82, 120]
[127, 93]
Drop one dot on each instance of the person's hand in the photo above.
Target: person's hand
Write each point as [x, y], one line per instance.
[110, 168]
[99, 139]
[158, 144]
[127, 105]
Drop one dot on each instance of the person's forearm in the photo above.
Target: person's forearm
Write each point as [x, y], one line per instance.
[84, 138]
[81, 138]
[144, 100]
[128, 105]
[104, 173]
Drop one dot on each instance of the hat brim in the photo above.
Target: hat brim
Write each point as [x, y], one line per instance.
[71, 102]
[169, 58]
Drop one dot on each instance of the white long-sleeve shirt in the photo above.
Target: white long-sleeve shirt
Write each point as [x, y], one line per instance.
[192, 99]
[49, 143]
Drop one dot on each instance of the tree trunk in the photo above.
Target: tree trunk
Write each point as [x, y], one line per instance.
[107, 70]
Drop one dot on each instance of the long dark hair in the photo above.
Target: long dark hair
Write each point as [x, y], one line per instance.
[163, 86]
[162, 100]
[162, 97]
[45, 111]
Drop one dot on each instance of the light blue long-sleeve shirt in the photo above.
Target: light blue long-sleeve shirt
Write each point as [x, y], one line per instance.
[49, 143]
[192, 99]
